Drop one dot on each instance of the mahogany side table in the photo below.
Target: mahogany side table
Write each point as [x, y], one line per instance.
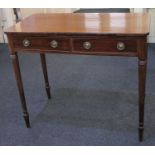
[113, 34]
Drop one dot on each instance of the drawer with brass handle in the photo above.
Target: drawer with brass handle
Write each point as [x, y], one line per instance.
[26, 43]
[87, 45]
[54, 44]
[120, 46]
[41, 43]
[104, 45]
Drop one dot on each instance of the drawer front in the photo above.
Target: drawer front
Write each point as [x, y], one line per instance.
[42, 43]
[105, 45]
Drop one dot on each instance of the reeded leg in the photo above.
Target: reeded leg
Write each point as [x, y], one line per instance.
[142, 80]
[16, 68]
[44, 68]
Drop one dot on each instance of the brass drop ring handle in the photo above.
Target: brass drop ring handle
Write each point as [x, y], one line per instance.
[54, 44]
[120, 46]
[87, 45]
[26, 43]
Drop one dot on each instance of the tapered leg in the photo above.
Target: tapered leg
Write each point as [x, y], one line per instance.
[16, 68]
[44, 68]
[142, 81]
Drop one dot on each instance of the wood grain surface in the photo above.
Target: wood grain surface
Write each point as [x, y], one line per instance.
[99, 23]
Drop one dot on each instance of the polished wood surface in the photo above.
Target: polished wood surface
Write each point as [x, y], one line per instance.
[100, 23]
[105, 44]
[74, 44]
[101, 34]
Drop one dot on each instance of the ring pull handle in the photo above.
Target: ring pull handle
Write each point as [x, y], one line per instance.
[54, 44]
[120, 46]
[87, 45]
[26, 43]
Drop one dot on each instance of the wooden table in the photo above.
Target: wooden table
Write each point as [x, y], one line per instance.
[113, 34]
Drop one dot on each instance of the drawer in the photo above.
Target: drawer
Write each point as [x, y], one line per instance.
[42, 43]
[106, 44]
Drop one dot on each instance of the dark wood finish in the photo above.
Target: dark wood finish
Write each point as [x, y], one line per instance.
[71, 31]
[105, 44]
[16, 68]
[142, 63]
[44, 68]
[142, 79]
[71, 44]
[42, 43]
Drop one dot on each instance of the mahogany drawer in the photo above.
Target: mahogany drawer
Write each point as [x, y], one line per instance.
[42, 43]
[109, 44]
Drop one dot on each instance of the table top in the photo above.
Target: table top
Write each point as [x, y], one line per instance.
[83, 23]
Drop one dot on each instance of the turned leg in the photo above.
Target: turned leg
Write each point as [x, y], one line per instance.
[142, 80]
[16, 68]
[44, 68]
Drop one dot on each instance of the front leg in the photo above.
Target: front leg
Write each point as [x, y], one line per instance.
[16, 67]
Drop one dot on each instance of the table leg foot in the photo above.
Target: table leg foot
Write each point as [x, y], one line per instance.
[48, 91]
[141, 130]
[27, 122]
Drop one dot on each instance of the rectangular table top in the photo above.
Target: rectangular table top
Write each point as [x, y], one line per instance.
[83, 23]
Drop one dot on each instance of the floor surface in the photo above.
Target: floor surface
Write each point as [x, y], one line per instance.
[94, 101]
